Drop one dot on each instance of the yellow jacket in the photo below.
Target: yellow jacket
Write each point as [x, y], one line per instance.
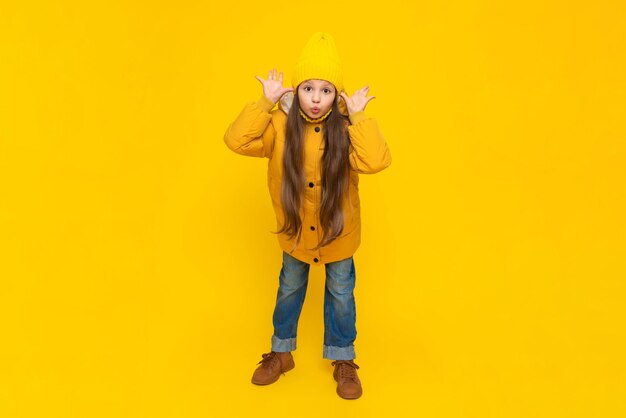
[259, 131]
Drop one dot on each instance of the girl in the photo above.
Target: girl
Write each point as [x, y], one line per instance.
[317, 142]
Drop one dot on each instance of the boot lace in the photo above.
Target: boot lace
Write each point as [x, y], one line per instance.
[347, 370]
[269, 359]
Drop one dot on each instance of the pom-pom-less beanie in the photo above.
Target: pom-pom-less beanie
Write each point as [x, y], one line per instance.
[319, 60]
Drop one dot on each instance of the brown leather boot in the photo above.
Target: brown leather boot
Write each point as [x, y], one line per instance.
[348, 383]
[271, 366]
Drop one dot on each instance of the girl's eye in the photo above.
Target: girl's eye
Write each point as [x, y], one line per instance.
[307, 88]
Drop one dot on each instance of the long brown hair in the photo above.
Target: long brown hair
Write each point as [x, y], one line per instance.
[335, 173]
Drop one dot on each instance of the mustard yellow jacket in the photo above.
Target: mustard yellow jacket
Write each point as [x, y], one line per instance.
[259, 131]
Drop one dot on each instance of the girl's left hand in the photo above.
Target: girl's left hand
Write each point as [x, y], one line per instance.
[357, 102]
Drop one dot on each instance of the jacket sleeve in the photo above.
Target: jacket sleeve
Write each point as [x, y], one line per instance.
[368, 152]
[252, 133]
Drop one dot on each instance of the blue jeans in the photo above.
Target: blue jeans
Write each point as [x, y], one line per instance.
[339, 307]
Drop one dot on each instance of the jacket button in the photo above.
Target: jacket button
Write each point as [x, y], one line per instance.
[311, 184]
[315, 260]
[317, 129]
[312, 228]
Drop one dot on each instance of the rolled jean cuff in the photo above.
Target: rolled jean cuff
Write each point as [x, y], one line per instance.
[282, 346]
[339, 353]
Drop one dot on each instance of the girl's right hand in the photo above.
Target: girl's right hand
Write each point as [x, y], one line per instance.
[273, 87]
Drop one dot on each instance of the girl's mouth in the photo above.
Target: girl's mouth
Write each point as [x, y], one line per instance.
[315, 110]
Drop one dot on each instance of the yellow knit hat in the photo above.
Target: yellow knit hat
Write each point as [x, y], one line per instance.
[319, 60]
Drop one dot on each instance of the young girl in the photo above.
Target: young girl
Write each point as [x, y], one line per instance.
[317, 142]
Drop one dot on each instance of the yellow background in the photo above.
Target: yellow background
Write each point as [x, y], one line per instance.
[138, 273]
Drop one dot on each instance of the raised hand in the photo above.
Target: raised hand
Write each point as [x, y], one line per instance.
[358, 101]
[273, 87]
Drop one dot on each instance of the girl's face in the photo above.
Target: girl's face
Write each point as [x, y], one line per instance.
[316, 97]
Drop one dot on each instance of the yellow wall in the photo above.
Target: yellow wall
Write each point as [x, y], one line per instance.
[138, 274]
